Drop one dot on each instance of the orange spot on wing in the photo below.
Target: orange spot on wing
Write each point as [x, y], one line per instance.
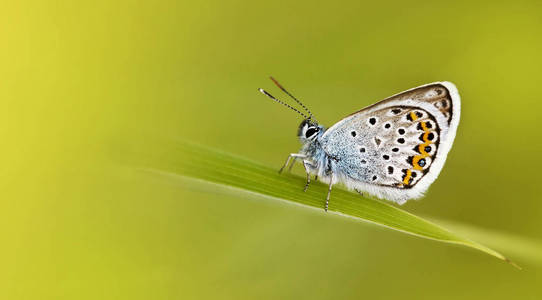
[421, 148]
[415, 161]
[424, 126]
[407, 177]
[425, 137]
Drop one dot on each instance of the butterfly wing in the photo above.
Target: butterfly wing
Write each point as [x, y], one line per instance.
[395, 149]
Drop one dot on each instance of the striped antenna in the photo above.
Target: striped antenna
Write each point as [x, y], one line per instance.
[277, 100]
[291, 96]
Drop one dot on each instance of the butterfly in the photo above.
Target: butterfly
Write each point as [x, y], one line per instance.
[393, 149]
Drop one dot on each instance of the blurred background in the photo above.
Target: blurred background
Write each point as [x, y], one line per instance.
[79, 78]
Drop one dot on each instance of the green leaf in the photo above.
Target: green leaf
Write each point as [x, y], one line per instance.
[205, 167]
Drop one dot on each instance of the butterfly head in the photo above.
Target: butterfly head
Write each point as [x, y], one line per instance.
[309, 131]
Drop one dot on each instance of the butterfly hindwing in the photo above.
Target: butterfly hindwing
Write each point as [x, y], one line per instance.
[396, 148]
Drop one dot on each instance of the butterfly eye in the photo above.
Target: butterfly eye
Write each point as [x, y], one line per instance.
[310, 132]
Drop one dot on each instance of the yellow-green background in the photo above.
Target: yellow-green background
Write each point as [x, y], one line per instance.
[80, 79]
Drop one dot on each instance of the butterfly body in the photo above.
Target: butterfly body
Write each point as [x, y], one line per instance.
[393, 149]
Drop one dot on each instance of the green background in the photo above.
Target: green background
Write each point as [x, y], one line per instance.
[80, 80]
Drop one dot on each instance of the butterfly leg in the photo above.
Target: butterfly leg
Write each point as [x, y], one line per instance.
[295, 156]
[292, 164]
[360, 192]
[328, 193]
[307, 164]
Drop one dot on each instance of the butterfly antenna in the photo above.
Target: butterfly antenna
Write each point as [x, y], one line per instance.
[291, 96]
[277, 100]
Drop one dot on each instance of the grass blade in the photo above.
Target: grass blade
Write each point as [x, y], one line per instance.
[207, 166]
